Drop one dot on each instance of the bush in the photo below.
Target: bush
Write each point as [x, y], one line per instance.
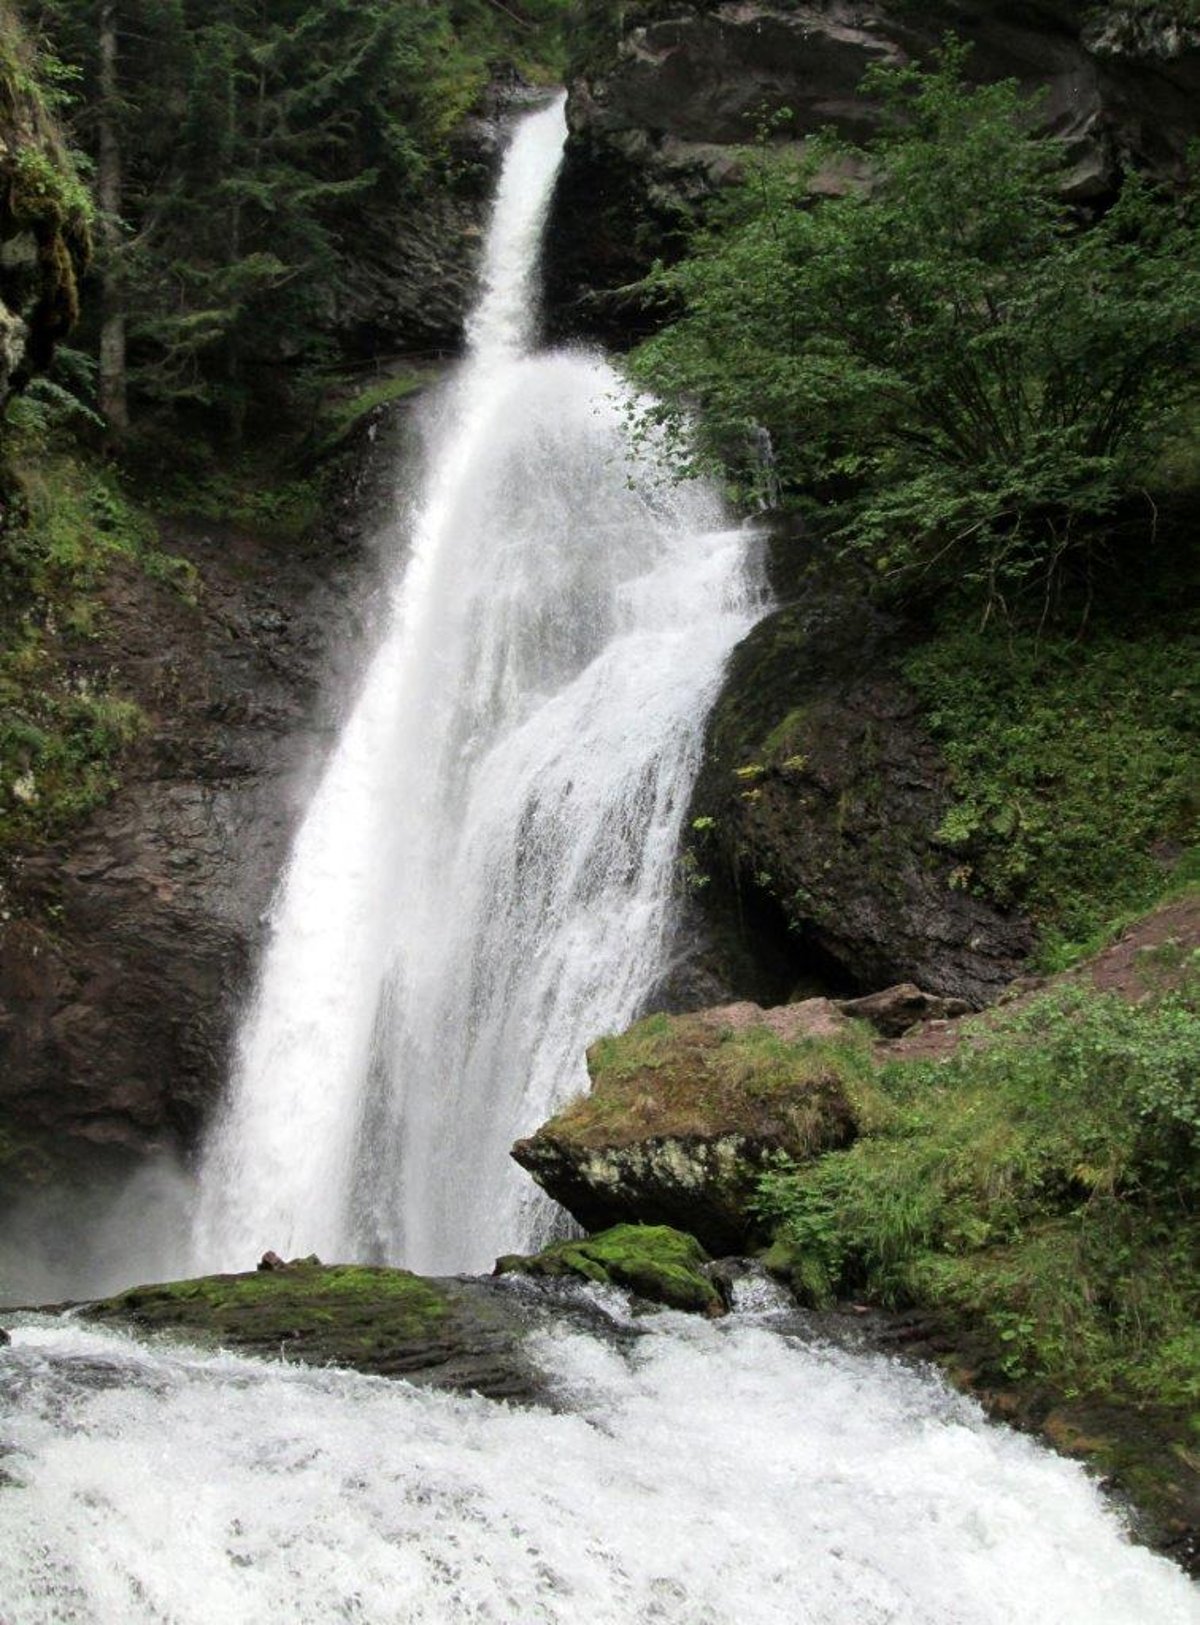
[971, 386]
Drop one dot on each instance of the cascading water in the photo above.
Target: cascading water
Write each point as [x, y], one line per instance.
[709, 1475]
[482, 883]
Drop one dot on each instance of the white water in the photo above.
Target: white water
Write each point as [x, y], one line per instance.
[709, 1476]
[483, 881]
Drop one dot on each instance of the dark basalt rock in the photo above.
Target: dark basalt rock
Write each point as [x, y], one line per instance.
[462, 1335]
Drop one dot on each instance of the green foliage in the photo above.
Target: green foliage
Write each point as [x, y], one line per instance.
[43, 200]
[340, 417]
[1044, 1180]
[969, 385]
[1073, 767]
[241, 492]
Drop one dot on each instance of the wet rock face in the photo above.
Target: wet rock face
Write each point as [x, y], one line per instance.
[126, 951]
[817, 811]
[657, 124]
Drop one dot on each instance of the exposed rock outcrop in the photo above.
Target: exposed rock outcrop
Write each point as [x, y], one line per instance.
[815, 819]
[662, 110]
[125, 949]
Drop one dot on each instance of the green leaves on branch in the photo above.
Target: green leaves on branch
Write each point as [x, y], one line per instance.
[967, 381]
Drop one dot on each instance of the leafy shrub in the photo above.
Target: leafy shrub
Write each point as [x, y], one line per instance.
[971, 386]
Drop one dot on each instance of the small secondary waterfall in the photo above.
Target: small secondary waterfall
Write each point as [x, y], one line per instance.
[482, 883]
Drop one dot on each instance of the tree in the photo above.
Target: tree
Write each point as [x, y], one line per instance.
[239, 147]
[968, 383]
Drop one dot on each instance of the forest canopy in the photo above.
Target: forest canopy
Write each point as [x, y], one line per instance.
[241, 147]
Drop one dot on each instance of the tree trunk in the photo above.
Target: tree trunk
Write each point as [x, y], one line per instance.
[114, 406]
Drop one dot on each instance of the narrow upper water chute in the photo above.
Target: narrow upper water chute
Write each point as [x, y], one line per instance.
[483, 882]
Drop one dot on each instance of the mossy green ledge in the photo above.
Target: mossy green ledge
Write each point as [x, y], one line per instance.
[652, 1261]
[463, 1335]
[686, 1112]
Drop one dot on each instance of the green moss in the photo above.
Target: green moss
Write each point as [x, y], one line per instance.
[342, 1314]
[247, 494]
[652, 1261]
[41, 192]
[348, 410]
[1073, 767]
[684, 1076]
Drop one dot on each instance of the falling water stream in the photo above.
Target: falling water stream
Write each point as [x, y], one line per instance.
[483, 882]
[481, 885]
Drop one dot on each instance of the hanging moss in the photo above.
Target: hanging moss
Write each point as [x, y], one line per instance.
[43, 198]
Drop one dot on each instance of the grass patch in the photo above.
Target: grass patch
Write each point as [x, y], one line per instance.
[1073, 768]
[1043, 1184]
[687, 1076]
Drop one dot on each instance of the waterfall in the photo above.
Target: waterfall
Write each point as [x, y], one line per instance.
[483, 881]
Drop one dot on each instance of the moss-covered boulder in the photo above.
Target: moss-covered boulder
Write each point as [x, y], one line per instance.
[650, 1260]
[463, 1335]
[686, 1111]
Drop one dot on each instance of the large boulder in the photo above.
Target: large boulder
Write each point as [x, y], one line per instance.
[686, 1111]
[462, 1335]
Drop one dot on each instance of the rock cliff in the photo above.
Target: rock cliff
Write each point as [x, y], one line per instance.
[664, 103]
[125, 946]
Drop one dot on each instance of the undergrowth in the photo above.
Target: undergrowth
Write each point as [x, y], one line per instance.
[1074, 772]
[1043, 1183]
[64, 723]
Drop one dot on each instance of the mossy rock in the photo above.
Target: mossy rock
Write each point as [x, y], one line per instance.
[651, 1260]
[686, 1112]
[463, 1335]
[346, 1314]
